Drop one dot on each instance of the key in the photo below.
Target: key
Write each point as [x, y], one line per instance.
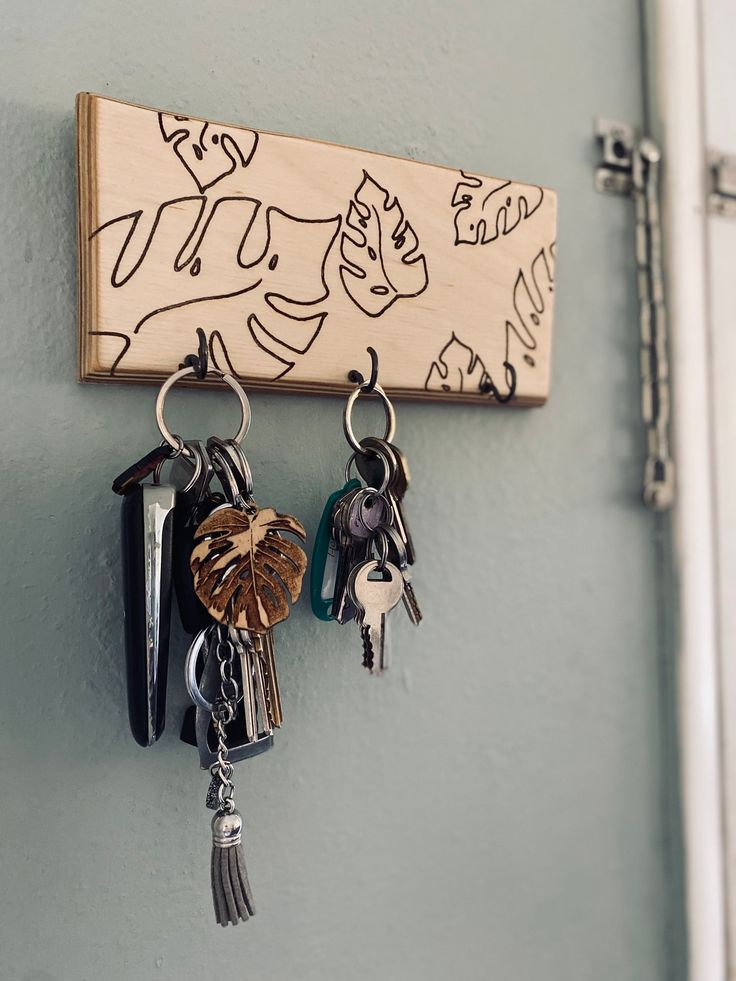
[396, 554]
[374, 599]
[147, 522]
[250, 708]
[326, 557]
[267, 681]
[355, 520]
[397, 488]
[350, 552]
[197, 727]
[397, 482]
[363, 513]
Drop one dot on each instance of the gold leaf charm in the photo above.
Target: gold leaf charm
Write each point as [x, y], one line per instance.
[243, 568]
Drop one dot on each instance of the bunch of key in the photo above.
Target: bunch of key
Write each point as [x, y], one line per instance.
[230, 567]
[234, 575]
[363, 553]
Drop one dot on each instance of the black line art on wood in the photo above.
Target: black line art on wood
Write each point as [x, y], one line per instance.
[487, 208]
[208, 152]
[285, 278]
[457, 369]
[460, 369]
[379, 248]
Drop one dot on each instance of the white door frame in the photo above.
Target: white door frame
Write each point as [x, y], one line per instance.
[678, 55]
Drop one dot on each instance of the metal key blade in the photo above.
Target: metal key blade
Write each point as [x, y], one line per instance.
[374, 646]
[263, 648]
[396, 553]
[246, 671]
[410, 601]
[264, 723]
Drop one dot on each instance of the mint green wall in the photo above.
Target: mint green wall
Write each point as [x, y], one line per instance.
[501, 805]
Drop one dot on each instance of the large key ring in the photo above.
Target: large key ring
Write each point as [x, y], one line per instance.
[348, 414]
[174, 440]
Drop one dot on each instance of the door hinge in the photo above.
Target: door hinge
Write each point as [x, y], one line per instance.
[722, 183]
[630, 166]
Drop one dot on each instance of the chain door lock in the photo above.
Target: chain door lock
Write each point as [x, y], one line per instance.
[630, 166]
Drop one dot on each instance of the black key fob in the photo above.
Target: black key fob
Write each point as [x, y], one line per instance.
[147, 532]
[192, 475]
[193, 615]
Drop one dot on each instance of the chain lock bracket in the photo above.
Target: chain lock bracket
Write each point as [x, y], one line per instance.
[722, 183]
[630, 167]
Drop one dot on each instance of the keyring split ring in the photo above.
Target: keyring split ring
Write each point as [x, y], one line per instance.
[190, 671]
[383, 547]
[386, 468]
[348, 413]
[176, 441]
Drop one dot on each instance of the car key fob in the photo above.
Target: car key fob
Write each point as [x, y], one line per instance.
[192, 476]
[147, 532]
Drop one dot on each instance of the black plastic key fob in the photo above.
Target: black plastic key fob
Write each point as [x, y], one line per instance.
[147, 532]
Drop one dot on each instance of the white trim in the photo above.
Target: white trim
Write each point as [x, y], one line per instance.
[678, 54]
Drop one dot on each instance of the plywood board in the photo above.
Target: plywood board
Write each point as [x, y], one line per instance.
[294, 255]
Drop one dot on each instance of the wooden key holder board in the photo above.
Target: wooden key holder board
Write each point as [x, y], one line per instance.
[294, 255]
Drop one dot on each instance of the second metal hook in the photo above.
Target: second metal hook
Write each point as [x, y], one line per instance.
[357, 378]
[201, 360]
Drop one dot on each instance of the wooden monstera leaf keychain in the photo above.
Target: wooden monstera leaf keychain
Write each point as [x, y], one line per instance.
[243, 568]
[245, 574]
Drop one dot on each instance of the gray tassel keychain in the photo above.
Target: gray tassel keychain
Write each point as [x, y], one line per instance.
[231, 891]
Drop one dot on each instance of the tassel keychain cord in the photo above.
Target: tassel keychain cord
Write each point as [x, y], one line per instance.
[231, 892]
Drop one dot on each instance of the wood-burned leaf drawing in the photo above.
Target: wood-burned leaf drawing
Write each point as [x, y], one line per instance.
[253, 280]
[243, 568]
[208, 153]
[488, 207]
[380, 251]
[457, 369]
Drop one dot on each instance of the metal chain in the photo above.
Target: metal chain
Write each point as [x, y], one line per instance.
[225, 708]
[659, 471]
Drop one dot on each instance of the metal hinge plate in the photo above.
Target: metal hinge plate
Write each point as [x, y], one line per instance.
[722, 183]
[614, 173]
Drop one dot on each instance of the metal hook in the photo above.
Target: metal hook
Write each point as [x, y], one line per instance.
[200, 360]
[487, 387]
[357, 378]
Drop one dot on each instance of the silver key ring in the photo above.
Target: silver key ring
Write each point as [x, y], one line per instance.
[382, 545]
[175, 441]
[386, 475]
[348, 414]
[190, 671]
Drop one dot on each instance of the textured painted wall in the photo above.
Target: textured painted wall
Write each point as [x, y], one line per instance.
[498, 806]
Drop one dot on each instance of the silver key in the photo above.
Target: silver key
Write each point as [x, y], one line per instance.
[355, 519]
[374, 599]
[395, 551]
[385, 462]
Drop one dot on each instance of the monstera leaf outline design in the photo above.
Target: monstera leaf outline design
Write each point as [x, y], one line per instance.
[488, 208]
[207, 152]
[379, 248]
[243, 568]
[457, 369]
